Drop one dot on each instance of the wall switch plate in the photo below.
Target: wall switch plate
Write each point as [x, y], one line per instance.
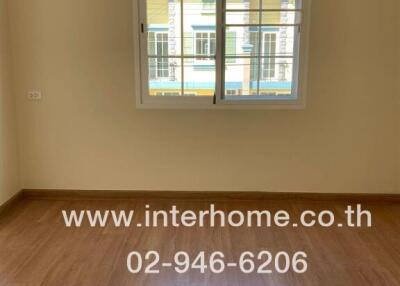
[35, 95]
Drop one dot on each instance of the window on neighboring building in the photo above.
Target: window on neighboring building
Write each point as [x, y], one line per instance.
[209, 53]
[205, 44]
[158, 51]
[269, 52]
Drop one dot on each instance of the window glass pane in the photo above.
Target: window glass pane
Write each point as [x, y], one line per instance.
[241, 41]
[259, 47]
[170, 47]
[163, 16]
[165, 76]
[281, 17]
[259, 59]
[199, 26]
[266, 4]
[276, 77]
[280, 4]
[241, 77]
[242, 4]
[240, 18]
[284, 38]
[199, 78]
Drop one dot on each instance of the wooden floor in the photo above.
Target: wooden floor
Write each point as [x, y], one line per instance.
[37, 249]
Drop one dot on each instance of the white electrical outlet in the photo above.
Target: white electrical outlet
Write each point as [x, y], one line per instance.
[35, 95]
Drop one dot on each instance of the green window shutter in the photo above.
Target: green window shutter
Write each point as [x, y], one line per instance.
[188, 45]
[230, 47]
[254, 69]
[152, 68]
[254, 61]
[152, 51]
[151, 43]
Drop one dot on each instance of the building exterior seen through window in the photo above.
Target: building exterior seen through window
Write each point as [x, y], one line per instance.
[259, 49]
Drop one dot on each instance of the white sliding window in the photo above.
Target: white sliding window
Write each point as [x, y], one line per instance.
[222, 53]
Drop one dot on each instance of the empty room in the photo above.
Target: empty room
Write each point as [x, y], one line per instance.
[199, 142]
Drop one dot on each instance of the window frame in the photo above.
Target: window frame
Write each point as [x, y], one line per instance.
[219, 101]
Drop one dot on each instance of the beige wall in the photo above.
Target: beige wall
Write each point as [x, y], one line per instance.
[9, 184]
[86, 133]
[397, 94]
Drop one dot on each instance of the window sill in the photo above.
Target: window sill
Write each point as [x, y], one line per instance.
[231, 105]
